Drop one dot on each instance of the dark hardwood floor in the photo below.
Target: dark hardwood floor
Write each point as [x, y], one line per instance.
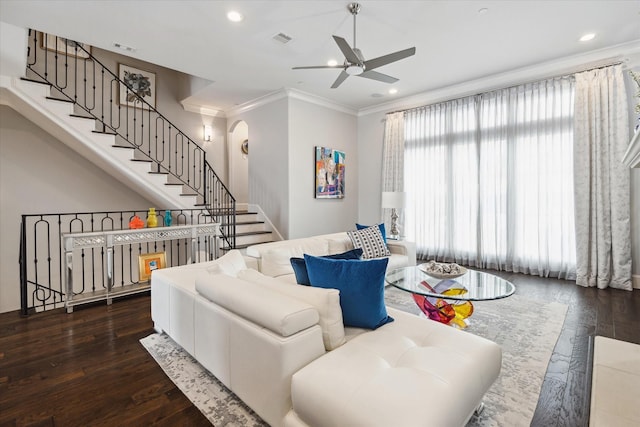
[88, 368]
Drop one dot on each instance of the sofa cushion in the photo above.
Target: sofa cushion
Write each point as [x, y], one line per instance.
[275, 262]
[361, 286]
[339, 242]
[229, 264]
[370, 240]
[300, 268]
[383, 231]
[278, 313]
[326, 301]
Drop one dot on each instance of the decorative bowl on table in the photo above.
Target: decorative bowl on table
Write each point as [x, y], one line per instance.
[442, 270]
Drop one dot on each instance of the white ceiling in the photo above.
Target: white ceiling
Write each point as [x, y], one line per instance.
[454, 42]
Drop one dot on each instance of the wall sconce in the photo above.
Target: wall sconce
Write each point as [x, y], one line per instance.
[207, 133]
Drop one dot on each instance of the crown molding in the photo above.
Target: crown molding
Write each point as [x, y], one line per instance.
[256, 103]
[205, 110]
[627, 53]
[318, 100]
[292, 94]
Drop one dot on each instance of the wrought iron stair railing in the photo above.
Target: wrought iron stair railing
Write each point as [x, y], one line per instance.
[124, 110]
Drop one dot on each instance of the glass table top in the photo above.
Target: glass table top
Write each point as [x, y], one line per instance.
[471, 286]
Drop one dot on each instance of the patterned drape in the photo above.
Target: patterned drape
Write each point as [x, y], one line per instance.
[393, 160]
[602, 182]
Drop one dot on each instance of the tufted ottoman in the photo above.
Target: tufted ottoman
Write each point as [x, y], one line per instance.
[407, 373]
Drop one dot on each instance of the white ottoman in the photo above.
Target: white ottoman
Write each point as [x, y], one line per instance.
[411, 372]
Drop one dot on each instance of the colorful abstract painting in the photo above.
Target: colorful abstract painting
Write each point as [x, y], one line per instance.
[329, 173]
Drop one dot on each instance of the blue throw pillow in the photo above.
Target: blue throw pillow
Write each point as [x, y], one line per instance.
[380, 226]
[361, 286]
[300, 268]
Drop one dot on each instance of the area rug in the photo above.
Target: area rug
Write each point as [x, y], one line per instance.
[526, 330]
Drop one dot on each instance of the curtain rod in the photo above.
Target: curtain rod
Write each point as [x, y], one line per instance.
[583, 70]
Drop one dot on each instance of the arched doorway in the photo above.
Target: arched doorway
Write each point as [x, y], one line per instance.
[239, 161]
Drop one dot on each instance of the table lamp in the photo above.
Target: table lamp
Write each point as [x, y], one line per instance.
[393, 200]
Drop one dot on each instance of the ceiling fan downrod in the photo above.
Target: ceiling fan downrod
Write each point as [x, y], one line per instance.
[354, 8]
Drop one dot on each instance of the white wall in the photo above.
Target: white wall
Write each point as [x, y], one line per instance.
[13, 50]
[269, 164]
[370, 137]
[238, 162]
[39, 174]
[314, 125]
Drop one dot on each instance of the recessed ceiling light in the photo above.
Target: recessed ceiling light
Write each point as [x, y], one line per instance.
[483, 11]
[332, 63]
[587, 37]
[393, 91]
[234, 16]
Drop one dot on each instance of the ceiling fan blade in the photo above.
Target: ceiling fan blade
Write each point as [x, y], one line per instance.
[374, 75]
[342, 77]
[388, 59]
[317, 66]
[348, 53]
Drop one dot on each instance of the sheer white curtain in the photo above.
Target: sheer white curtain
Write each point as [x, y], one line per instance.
[393, 159]
[489, 179]
[602, 187]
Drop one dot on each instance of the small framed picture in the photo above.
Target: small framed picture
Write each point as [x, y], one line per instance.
[149, 262]
[65, 46]
[137, 84]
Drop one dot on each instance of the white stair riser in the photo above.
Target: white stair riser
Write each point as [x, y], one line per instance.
[246, 228]
[254, 239]
[247, 218]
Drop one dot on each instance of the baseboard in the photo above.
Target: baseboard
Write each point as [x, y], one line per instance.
[635, 279]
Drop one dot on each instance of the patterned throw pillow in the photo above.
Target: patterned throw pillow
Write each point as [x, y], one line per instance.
[370, 241]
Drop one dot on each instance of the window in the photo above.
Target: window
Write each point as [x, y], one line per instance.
[489, 179]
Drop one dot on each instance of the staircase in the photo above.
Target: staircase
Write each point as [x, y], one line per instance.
[60, 118]
[75, 98]
[250, 230]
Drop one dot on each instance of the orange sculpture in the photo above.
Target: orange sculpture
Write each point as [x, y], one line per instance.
[136, 223]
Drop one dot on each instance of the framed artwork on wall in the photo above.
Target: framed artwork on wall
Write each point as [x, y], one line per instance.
[137, 82]
[149, 262]
[64, 46]
[329, 172]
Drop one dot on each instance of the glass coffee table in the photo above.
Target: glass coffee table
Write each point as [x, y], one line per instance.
[449, 300]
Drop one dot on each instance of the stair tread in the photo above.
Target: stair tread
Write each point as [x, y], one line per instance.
[249, 222]
[124, 146]
[252, 233]
[80, 116]
[159, 173]
[27, 79]
[60, 99]
[104, 132]
[228, 248]
[142, 160]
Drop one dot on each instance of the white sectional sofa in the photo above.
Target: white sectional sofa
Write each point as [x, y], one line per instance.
[272, 258]
[283, 349]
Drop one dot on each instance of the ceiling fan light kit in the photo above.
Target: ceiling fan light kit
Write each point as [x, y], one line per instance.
[354, 62]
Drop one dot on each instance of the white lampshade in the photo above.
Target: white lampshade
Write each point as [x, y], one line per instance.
[393, 199]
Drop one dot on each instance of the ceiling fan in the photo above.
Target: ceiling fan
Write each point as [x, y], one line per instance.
[355, 64]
